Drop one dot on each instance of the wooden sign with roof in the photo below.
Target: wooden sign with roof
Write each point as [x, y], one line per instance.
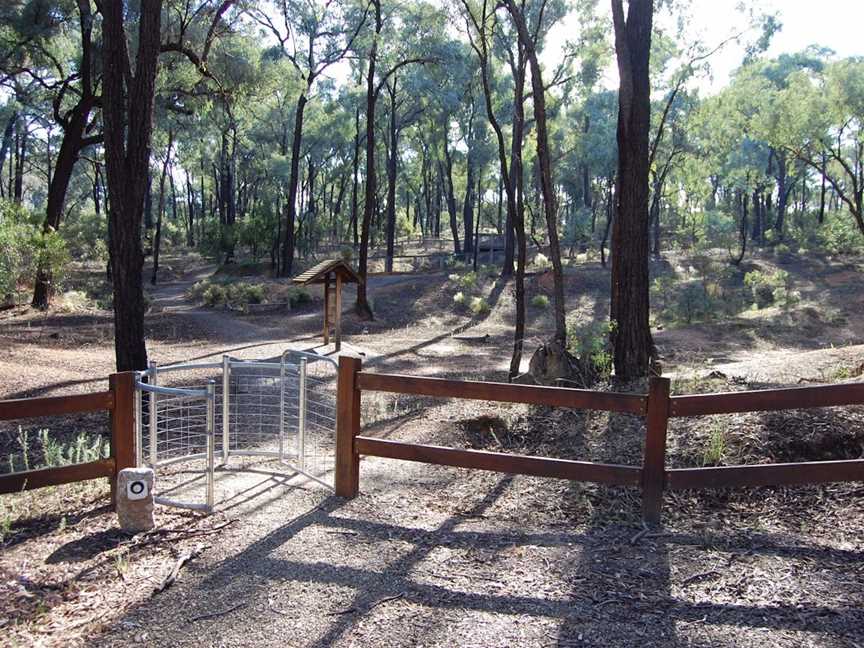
[335, 272]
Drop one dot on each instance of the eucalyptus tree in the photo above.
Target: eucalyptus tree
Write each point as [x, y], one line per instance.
[530, 40]
[129, 70]
[313, 35]
[53, 45]
[823, 126]
[395, 40]
[629, 310]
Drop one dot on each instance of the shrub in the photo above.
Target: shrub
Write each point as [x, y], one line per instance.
[715, 451]
[480, 306]
[769, 288]
[214, 295]
[541, 260]
[24, 248]
[589, 343]
[540, 301]
[298, 296]
[459, 298]
[468, 281]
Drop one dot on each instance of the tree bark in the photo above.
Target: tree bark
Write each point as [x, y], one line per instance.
[451, 199]
[629, 308]
[544, 158]
[391, 178]
[362, 304]
[128, 117]
[157, 237]
[291, 201]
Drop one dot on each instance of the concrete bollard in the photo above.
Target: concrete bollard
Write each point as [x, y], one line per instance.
[135, 499]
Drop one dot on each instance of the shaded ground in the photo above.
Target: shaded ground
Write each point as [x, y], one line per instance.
[443, 557]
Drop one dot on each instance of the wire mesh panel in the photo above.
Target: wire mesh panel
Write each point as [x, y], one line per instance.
[282, 409]
[255, 407]
[316, 405]
[180, 426]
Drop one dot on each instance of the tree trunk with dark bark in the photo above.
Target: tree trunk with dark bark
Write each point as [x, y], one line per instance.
[157, 237]
[128, 117]
[550, 206]
[629, 308]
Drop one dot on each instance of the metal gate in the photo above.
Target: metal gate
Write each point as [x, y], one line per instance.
[283, 410]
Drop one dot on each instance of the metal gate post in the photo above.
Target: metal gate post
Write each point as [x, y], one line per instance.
[282, 409]
[226, 407]
[139, 425]
[211, 440]
[301, 417]
[153, 417]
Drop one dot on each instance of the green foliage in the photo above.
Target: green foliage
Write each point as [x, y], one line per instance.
[770, 288]
[468, 281]
[715, 450]
[541, 260]
[49, 452]
[297, 296]
[540, 301]
[226, 294]
[480, 306]
[24, 248]
[590, 344]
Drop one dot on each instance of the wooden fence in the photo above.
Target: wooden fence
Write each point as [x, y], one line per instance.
[118, 401]
[657, 406]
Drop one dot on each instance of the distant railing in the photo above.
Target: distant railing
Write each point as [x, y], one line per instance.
[118, 401]
[657, 406]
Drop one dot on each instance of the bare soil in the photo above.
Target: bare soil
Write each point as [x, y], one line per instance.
[430, 556]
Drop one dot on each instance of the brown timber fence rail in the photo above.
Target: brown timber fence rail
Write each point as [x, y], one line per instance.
[657, 406]
[118, 400]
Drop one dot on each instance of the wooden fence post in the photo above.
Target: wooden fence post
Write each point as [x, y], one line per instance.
[654, 459]
[347, 480]
[122, 385]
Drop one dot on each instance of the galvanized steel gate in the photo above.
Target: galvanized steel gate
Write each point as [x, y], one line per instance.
[283, 410]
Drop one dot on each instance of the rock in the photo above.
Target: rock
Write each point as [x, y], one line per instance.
[551, 362]
[135, 499]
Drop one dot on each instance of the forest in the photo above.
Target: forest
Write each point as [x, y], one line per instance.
[593, 274]
[283, 131]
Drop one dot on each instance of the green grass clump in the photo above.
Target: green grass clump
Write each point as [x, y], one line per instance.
[540, 301]
[480, 306]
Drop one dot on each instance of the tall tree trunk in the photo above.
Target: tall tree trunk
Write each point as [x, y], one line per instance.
[190, 212]
[468, 205]
[822, 190]
[362, 304]
[6, 146]
[355, 166]
[782, 195]
[629, 310]
[21, 136]
[391, 179]
[128, 116]
[742, 229]
[451, 199]
[70, 147]
[545, 163]
[157, 237]
[288, 240]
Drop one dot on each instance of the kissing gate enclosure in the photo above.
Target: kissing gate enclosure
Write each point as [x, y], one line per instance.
[189, 421]
[280, 410]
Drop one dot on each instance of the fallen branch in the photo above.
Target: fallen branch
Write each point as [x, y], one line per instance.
[175, 571]
[636, 538]
[386, 599]
[213, 615]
